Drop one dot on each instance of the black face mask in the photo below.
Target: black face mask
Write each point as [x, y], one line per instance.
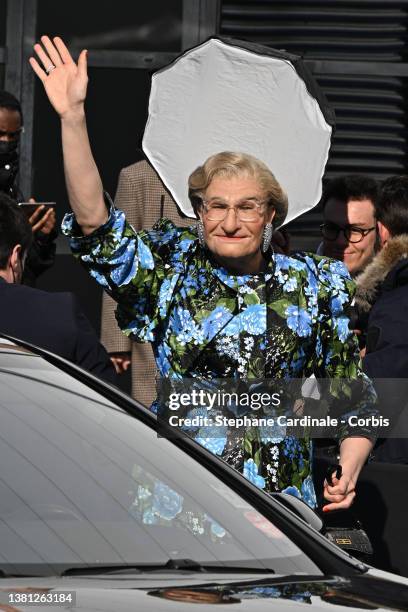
[8, 163]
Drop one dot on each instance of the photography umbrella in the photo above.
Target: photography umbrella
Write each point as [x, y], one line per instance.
[228, 95]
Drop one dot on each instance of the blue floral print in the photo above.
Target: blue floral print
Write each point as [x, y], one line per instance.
[206, 323]
[165, 294]
[166, 502]
[253, 319]
[299, 321]
[251, 472]
[308, 493]
[343, 329]
[215, 321]
[292, 491]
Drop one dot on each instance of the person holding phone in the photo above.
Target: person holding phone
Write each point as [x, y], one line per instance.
[41, 218]
[25, 310]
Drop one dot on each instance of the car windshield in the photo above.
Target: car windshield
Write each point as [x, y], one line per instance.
[84, 483]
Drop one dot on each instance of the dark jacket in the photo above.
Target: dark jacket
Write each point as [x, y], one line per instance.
[382, 293]
[40, 257]
[53, 321]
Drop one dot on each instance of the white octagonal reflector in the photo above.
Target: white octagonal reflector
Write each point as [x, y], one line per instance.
[235, 96]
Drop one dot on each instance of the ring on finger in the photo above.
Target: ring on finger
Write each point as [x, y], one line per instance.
[50, 68]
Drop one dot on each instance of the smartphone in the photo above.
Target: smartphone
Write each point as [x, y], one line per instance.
[29, 208]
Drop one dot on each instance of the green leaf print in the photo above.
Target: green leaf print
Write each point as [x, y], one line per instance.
[251, 298]
[280, 307]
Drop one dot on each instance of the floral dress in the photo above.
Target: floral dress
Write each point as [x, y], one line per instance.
[205, 323]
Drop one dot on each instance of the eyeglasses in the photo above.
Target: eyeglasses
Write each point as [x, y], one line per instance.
[352, 234]
[247, 210]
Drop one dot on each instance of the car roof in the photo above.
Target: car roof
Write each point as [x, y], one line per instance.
[7, 346]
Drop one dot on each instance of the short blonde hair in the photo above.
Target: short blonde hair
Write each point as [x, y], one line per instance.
[230, 164]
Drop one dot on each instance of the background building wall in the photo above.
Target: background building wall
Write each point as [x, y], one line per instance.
[357, 49]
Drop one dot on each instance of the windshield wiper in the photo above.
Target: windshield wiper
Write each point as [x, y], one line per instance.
[172, 564]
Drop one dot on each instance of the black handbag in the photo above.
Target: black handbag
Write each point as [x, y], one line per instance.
[343, 529]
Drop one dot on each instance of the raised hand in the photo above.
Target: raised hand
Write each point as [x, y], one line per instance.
[65, 82]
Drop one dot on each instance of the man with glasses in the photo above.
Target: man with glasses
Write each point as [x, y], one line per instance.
[382, 294]
[349, 228]
[42, 252]
[350, 235]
